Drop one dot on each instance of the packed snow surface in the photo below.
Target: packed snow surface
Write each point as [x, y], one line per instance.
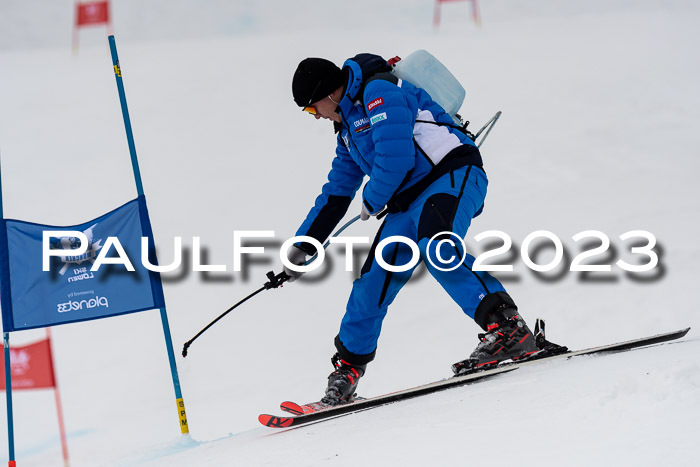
[599, 132]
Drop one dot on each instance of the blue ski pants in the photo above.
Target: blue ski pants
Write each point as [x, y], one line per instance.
[447, 205]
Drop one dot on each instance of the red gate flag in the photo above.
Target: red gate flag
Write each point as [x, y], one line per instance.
[31, 366]
[92, 13]
[475, 11]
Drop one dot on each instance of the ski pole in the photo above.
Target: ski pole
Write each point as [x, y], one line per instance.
[487, 126]
[273, 282]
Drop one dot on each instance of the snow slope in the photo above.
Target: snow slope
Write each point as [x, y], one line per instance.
[599, 131]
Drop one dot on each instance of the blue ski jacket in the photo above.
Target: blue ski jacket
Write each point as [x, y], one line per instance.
[381, 138]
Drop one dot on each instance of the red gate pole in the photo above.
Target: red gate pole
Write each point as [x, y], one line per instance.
[436, 14]
[476, 13]
[59, 409]
[76, 37]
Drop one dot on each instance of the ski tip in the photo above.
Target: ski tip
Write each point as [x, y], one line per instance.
[292, 408]
[275, 422]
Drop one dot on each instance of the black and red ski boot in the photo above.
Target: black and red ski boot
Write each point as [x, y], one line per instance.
[342, 382]
[507, 337]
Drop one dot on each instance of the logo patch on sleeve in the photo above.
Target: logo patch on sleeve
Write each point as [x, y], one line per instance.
[377, 102]
[377, 118]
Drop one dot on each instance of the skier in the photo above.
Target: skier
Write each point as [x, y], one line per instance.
[429, 174]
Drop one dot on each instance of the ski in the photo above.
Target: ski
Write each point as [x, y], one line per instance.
[308, 413]
[323, 412]
[296, 409]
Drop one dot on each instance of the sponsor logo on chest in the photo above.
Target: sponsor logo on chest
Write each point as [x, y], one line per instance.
[361, 124]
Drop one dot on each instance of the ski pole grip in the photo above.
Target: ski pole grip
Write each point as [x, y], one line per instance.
[275, 281]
